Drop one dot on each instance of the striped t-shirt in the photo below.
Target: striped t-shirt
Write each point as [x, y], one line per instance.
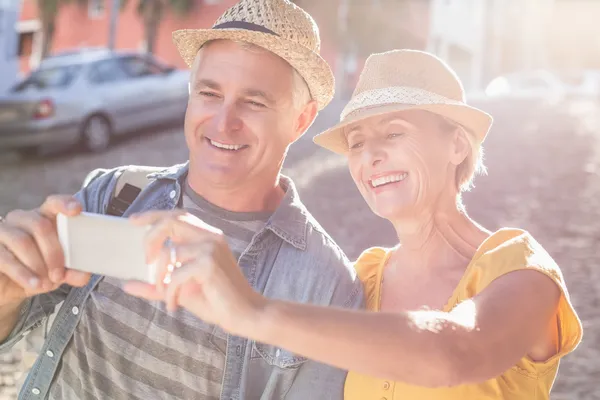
[128, 348]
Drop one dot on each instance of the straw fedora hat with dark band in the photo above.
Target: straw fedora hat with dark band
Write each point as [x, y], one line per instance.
[406, 80]
[279, 26]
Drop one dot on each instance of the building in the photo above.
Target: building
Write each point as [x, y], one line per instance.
[78, 26]
[9, 66]
[481, 39]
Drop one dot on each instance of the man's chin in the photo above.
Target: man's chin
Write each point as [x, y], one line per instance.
[219, 174]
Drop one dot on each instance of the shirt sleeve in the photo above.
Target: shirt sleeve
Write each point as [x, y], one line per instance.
[32, 315]
[520, 251]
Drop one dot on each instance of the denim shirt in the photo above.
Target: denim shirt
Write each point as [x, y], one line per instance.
[291, 258]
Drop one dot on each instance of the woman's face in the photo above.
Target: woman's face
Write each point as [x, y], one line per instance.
[404, 162]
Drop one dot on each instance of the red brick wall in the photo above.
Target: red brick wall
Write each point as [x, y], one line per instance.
[75, 29]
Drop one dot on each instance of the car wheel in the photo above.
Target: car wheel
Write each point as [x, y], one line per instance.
[96, 134]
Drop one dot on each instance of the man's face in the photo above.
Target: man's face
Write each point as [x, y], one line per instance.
[240, 117]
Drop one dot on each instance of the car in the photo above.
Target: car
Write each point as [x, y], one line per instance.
[533, 98]
[89, 97]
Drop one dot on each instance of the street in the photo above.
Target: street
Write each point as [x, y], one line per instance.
[541, 179]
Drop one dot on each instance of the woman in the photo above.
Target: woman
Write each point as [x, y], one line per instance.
[461, 312]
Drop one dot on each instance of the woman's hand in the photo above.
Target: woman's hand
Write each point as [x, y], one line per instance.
[196, 271]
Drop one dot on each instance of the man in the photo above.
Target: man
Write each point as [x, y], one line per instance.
[257, 85]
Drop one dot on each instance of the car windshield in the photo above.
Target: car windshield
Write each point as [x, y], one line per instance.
[49, 78]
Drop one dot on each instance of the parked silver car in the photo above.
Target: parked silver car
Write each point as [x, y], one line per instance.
[87, 98]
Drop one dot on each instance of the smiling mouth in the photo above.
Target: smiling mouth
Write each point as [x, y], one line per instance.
[386, 180]
[227, 147]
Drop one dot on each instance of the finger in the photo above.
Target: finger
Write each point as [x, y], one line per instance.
[52, 206]
[193, 271]
[177, 231]
[154, 216]
[17, 272]
[24, 249]
[143, 290]
[76, 278]
[56, 204]
[163, 268]
[43, 231]
[173, 256]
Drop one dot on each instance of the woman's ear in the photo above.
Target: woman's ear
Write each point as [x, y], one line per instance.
[460, 146]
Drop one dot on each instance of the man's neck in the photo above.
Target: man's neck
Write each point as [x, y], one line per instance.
[246, 198]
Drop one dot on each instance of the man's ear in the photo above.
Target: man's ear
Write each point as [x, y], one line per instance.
[305, 119]
[460, 147]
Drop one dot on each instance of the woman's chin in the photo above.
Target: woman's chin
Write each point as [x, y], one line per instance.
[393, 212]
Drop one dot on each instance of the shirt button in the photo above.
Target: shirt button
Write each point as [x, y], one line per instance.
[386, 385]
[75, 310]
[50, 354]
[172, 194]
[35, 391]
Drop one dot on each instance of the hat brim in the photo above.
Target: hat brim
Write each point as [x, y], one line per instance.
[310, 65]
[473, 119]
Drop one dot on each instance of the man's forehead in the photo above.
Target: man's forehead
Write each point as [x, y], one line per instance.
[227, 48]
[255, 76]
[247, 90]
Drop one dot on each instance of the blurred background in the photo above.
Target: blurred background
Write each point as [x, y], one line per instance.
[98, 83]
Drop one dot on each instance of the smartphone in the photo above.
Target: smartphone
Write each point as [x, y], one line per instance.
[104, 245]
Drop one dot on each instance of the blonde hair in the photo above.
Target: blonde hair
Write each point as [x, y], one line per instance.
[300, 92]
[473, 164]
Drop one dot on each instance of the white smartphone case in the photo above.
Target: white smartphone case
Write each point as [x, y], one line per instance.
[104, 245]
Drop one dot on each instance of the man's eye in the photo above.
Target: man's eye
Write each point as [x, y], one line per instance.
[255, 104]
[356, 145]
[208, 94]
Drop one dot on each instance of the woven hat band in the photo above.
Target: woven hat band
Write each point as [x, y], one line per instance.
[249, 26]
[394, 95]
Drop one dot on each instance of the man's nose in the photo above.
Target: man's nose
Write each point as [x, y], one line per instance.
[228, 119]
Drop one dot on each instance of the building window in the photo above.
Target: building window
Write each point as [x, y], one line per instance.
[96, 9]
[25, 44]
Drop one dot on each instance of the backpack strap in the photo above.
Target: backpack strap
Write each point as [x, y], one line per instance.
[130, 183]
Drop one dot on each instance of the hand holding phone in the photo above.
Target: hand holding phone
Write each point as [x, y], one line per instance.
[104, 245]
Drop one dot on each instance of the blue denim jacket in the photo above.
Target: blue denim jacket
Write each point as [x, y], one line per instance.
[291, 258]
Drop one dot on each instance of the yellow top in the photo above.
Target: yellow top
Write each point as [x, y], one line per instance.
[505, 251]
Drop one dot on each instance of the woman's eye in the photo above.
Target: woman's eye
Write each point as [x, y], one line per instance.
[395, 135]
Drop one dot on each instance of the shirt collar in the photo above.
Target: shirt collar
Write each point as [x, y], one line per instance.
[290, 219]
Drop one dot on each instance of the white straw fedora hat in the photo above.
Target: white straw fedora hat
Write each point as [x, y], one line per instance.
[279, 26]
[406, 80]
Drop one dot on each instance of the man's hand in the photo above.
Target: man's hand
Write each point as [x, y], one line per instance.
[31, 258]
[196, 271]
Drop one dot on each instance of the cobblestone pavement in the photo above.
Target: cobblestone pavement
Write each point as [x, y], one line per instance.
[545, 180]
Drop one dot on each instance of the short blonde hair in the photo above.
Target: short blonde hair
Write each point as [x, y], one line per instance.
[300, 92]
[473, 164]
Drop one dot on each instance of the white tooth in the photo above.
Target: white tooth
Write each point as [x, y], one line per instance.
[226, 146]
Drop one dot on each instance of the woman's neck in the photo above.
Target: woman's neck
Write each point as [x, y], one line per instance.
[444, 235]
